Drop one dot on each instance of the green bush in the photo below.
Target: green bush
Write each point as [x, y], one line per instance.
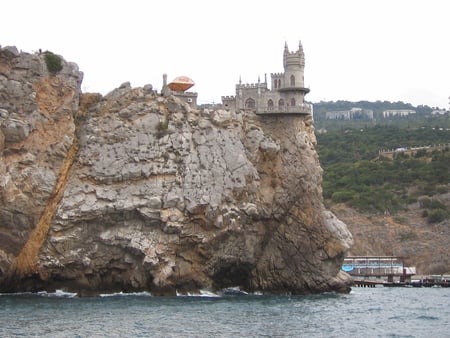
[430, 203]
[53, 62]
[437, 215]
[408, 236]
[163, 125]
[342, 196]
[400, 219]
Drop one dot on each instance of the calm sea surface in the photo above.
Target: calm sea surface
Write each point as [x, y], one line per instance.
[365, 312]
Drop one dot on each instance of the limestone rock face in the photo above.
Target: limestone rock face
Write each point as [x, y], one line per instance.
[36, 129]
[169, 199]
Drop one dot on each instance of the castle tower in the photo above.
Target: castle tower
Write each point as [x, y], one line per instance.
[294, 66]
[292, 90]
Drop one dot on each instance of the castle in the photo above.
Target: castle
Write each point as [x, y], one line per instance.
[286, 95]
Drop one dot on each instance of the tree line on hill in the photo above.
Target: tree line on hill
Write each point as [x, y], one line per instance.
[320, 108]
[422, 117]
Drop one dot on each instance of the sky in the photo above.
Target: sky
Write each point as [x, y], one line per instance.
[394, 50]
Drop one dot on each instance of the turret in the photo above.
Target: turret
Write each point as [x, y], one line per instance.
[291, 85]
[285, 54]
[294, 65]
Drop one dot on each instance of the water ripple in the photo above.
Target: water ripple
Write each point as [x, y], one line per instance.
[375, 312]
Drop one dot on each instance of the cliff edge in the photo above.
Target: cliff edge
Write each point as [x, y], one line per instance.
[134, 191]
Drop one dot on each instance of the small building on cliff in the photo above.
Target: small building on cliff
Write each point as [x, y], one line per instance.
[178, 88]
[286, 94]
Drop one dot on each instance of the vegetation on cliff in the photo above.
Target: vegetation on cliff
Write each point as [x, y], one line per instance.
[53, 62]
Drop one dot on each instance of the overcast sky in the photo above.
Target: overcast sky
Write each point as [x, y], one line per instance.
[395, 50]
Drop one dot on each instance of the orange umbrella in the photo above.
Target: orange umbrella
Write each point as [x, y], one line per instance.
[181, 84]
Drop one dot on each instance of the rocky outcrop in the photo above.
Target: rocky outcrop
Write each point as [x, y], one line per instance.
[36, 132]
[161, 197]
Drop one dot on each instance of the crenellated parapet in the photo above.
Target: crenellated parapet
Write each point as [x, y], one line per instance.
[229, 102]
[252, 85]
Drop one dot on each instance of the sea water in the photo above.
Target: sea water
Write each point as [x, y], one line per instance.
[364, 312]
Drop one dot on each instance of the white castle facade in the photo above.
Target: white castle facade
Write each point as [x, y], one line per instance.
[286, 94]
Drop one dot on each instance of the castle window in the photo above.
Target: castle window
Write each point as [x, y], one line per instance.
[250, 103]
[275, 84]
[279, 83]
[292, 80]
[293, 102]
[280, 103]
[270, 104]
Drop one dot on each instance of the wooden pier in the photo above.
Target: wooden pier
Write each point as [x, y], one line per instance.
[444, 283]
[367, 283]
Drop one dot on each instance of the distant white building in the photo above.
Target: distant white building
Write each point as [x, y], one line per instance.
[354, 113]
[398, 112]
[439, 112]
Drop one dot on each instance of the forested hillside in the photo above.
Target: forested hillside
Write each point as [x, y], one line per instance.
[357, 174]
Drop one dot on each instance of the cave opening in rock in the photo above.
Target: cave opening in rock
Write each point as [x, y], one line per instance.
[232, 274]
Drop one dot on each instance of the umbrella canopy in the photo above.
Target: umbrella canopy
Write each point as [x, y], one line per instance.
[181, 84]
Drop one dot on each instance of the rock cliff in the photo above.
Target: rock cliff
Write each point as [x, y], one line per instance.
[134, 191]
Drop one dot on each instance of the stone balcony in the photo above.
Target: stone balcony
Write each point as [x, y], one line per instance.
[302, 109]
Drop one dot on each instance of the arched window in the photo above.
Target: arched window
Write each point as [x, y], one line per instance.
[270, 104]
[275, 84]
[250, 103]
[292, 80]
[292, 102]
[279, 83]
[280, 103]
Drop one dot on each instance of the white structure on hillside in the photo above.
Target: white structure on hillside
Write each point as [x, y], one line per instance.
[354, 113]
[398, 112]
[439, 112]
